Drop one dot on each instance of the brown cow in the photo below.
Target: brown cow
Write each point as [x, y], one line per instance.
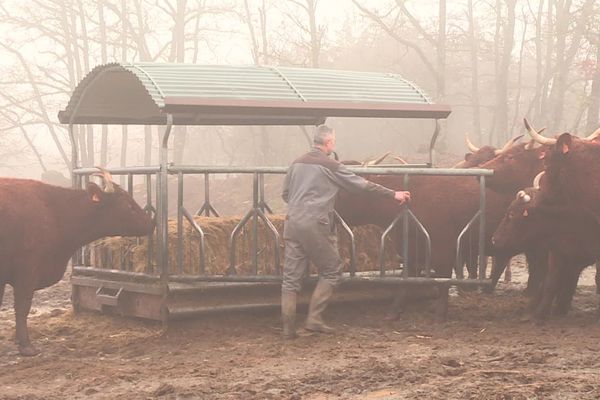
[572, 169]
[443, 204]
[570, 236]
[43, 225]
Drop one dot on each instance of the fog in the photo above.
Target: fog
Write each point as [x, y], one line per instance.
[493, 62]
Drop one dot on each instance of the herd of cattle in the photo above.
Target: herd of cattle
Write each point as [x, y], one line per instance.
[543, 200]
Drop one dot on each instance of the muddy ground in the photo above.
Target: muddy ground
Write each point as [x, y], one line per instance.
[482, 352]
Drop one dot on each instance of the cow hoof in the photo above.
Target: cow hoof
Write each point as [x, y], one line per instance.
[28, 351]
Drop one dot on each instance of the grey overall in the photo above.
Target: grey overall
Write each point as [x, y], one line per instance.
[310, 188]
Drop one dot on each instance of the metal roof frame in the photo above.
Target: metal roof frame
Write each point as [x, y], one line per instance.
[144, 93]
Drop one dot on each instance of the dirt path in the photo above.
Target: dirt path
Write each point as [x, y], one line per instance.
[482, 352]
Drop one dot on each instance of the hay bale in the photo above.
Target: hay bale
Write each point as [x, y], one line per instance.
[132, 253]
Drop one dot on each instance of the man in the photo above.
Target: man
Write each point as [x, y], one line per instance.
[310, 188]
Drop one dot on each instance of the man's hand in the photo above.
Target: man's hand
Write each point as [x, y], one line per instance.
[402, 197]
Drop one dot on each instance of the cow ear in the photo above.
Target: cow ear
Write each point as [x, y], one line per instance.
[564, 143]
[95, 192]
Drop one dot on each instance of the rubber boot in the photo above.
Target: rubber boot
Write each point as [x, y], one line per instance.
[318, 303]
[288, 314]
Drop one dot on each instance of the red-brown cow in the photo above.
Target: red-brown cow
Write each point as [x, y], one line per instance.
[443, 204]
[572, 170]
[570, 236]
[43, 225]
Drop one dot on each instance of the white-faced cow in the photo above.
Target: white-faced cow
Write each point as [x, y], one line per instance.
[43, 225]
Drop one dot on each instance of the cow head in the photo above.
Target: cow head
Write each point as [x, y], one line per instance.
[116, 212]
[480, 155]
[517, 166]
[530, 218]
[568, 159]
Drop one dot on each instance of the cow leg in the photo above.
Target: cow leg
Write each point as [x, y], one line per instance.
[565, 293]
[550, 288]
[499, 264]
[536, 265]
[23, 297]
[472, 266]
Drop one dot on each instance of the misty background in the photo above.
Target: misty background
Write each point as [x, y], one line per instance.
[493, 61]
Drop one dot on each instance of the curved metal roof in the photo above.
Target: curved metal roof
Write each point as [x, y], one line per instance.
[143, 93]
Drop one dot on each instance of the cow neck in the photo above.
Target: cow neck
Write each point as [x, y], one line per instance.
[75, 212]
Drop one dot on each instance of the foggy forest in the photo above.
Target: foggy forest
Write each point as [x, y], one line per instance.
[494, 62]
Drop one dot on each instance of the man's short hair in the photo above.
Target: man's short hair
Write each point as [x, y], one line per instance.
[321, 134]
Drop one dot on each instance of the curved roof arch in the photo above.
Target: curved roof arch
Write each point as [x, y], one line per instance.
[144, 93]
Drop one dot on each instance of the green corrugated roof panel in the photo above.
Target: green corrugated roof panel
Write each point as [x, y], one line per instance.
[142, 93]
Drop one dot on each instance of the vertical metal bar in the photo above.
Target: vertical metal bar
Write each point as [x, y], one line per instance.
[255, 223]
[130, 184]
[482, 256]
[128, 255]
[149, 208]
[164, 203]
[261, 193]
[405, 231]
[75, 179]
[206, 195]
[180, 222]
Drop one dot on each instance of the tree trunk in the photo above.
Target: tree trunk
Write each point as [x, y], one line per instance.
[593, 109]
[103, 58]
[441, 52]
[502, 74]
[474, 74]
[180, 133]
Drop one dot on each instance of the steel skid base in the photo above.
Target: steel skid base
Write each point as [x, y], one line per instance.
[137, 295]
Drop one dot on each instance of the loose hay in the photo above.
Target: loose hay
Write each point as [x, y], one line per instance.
[132, 253]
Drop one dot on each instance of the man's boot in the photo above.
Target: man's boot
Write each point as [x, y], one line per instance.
[318, 303]
[288, 314]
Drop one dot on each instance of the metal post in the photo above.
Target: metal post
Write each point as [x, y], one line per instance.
[150, 209]
[482, 241]
[255, 223]
[180, 222]
[405, 232]
[163, 209]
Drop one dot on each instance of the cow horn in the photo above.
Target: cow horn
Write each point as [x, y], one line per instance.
[532, 144]
[536, 135]
[508, 145]
[593, 136]
[381, 158]
[400, 160]
[107, 177]
[470, 145]
[537, 179]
